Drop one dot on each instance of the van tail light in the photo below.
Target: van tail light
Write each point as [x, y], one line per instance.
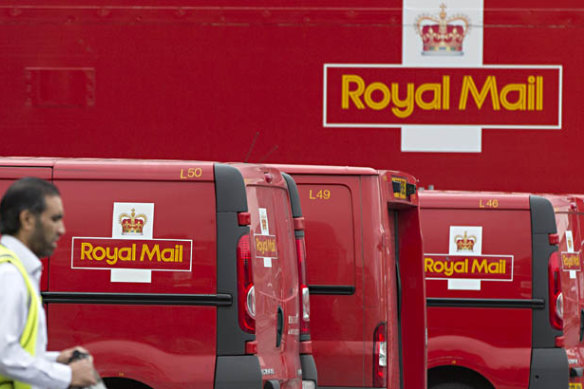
[245, 288]
[555, 291]
[303, 288]
[380, 356]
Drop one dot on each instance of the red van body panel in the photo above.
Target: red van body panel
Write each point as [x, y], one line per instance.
[352, 247]
[487, 288]
[165, 334]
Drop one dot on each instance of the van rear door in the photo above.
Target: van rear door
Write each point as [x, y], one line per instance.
[334, 269]
[569, 212]
[275, 275]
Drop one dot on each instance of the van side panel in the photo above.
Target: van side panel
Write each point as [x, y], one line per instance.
[234, 369]
[152, 325]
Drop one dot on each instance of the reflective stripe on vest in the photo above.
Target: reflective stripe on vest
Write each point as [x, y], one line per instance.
[31, 328]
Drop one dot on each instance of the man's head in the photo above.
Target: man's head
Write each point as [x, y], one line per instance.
[31, 210]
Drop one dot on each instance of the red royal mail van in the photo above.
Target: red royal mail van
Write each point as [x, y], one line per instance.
[494, 287]
[365, 274]
[174, 273]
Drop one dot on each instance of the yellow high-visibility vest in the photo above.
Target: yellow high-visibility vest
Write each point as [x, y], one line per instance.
[31, 328]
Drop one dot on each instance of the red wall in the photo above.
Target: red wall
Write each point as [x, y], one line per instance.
[210, 79]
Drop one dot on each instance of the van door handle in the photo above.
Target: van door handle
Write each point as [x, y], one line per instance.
[280, 327]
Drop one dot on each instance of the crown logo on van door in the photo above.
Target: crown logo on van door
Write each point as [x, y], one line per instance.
[441, 35]
[132, 224]
[464, 242]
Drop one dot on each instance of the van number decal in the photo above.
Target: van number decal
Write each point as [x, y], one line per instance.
[190, 173]
[322, 194]
[490, 203]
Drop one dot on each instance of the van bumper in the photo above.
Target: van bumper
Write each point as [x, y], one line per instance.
[308, 368]
[238, 372]
[549, 369]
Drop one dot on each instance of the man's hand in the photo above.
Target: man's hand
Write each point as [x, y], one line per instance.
[83, 373]
[65, 355]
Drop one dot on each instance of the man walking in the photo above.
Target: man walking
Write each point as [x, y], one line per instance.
[31, 223]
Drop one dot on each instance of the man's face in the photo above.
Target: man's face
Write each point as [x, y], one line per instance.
[48, 228]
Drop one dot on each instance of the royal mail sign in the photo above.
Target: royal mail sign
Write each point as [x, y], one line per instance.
[485, 96]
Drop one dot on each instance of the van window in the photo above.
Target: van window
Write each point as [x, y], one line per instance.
[272, 222]
[330, 245]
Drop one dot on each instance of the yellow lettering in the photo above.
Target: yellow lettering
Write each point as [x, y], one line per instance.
[436, 94]
[125, 254]
[446, 92]
[371, 88]
[408, 103]
[429, 264]
[493, 268]
[520, 104]
[530, 93]
[539, 93]
[191, 172]
[112, 257]
[101, 255]
[86, 249]
[146, 251]
[167, 255]
[479, 267]
[352, 94]
[490, 86]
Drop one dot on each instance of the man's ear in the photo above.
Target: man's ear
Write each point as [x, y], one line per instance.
[27, 220]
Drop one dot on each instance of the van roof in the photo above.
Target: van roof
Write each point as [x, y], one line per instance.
[325, 169]
[125, 169]
[472, 200]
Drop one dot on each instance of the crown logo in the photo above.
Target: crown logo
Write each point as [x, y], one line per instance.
[441, 35]
[464, 242]
[132, 224]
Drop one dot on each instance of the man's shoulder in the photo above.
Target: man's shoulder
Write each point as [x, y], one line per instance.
[9, 274]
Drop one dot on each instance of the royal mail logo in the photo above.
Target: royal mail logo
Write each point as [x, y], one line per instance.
[478, 267]
[265, 246]
[465, 243]
[132, 224]
[571, 261]
[110, 253]
[486, 96]
[442, 34]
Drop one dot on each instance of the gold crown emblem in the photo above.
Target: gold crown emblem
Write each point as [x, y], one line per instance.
[464, 242]
[442, 35]
[132, 224]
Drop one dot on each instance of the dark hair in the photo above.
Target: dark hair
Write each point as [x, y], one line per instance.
[25, 194]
